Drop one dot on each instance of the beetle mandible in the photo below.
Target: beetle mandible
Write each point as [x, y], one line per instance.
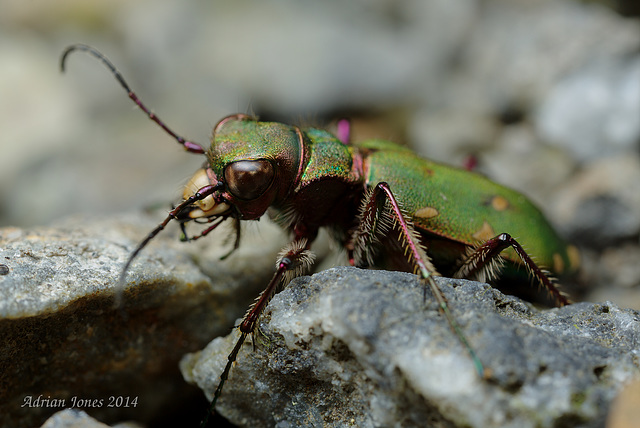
[420, 216]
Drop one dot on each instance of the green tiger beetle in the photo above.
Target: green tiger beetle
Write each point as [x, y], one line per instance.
[420, 216]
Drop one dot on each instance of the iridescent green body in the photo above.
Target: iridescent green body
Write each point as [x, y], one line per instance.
[321, 181]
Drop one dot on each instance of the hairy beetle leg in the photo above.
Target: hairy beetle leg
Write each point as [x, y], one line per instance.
[484, 263]
[293, 260]
[379, 212]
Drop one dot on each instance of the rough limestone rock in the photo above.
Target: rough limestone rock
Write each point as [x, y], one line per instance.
[348, 347]
[73, 418]
[65, 345]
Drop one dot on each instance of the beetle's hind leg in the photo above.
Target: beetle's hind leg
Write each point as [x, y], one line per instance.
[380, 212]
[484, 262]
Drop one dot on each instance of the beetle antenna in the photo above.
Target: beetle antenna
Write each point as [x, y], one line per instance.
[189, 146]
[198, 196]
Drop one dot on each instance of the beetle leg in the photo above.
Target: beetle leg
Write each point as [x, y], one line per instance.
[184, 237]
[484, 263]
[379, 212]
[185, 217]
[293, 260]
[236, 242]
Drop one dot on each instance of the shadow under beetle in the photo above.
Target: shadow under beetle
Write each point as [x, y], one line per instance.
[373, 197]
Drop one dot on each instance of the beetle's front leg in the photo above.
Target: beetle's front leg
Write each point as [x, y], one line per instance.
[293, 260]
[184, 237]
[483, 263]
[379, 212]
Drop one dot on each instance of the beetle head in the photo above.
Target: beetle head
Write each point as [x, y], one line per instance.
[254, 164]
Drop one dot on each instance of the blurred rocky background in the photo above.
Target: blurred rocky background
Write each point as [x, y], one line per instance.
[544, 96]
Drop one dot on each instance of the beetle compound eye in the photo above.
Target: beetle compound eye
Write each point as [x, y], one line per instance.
[249, 179]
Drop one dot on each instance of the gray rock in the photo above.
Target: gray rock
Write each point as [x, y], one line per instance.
[600, 204]
[595, 111]
[65, 345]
[348, 347]
[72, 418]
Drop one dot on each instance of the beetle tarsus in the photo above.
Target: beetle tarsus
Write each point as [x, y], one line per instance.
[223, 378]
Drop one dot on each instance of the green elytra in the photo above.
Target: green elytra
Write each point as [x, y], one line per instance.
[430, 218]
